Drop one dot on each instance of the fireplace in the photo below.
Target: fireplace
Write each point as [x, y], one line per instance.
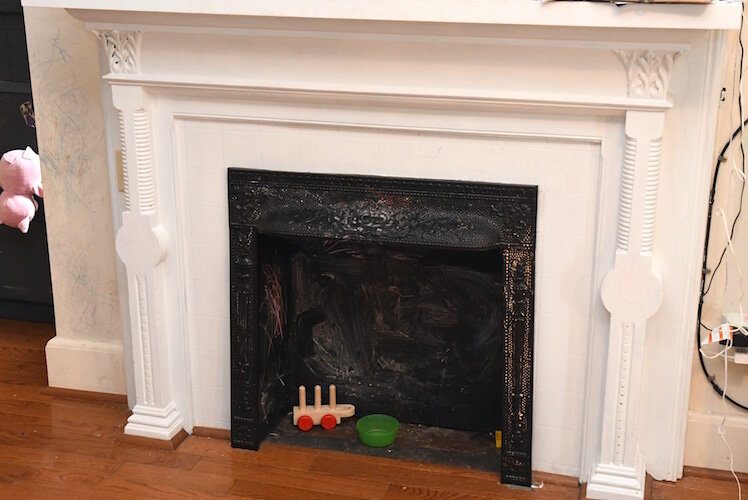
[415, 297]
[609, 110]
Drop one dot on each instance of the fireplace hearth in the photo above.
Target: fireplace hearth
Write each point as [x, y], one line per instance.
[415, 297]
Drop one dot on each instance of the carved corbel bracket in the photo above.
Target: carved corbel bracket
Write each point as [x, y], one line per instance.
[648, 72]
[122, 49]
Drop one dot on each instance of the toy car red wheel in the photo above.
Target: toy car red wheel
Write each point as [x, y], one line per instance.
[305, 423]
[328, 422]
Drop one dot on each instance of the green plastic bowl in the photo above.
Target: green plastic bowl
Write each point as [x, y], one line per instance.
[377, 430]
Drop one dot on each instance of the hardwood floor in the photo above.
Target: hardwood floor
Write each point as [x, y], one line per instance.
[56, 446]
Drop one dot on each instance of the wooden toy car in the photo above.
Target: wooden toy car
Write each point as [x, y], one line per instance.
[328, 416]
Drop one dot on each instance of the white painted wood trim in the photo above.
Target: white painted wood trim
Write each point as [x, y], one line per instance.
[527, 101]
[154, 422]
[142, 245]
[330, 124]
[721, 15]
[65, 356]
[632, 292]
[704, 152]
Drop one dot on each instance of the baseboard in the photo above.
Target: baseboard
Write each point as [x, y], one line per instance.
[163, 444]
[211, 432]
[86, 365]
[717, 475]
[59, 392]
[705, 449]
[553, 478]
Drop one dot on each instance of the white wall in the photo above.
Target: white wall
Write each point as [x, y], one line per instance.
[87, 353]
[704, 448]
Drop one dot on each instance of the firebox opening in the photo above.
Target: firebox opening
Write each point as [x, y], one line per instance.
[412, 332]
[408, 331]
[414, 297]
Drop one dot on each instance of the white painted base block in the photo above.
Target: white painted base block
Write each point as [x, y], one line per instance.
[86, 365]
[617, 482]
[155, 423]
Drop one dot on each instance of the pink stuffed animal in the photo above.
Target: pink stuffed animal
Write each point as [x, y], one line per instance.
[20, 172]
[17, 210]
[20, 178]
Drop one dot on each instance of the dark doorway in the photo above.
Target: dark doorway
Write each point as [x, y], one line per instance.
[25, 283]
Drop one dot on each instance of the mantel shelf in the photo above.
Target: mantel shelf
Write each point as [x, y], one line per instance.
[720, 15]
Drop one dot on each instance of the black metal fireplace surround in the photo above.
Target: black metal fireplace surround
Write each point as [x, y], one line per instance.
[413, 296]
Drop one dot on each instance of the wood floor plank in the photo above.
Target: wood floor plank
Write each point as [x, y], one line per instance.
[398, 492]
[95, 428]
[695, 488]
[52, 459]
[91, 438]
[285, 476]
[23, 372]
[264, 491]
[54, 475]
[507, 492]
[37, 490]
[269, 453]
[22, 353]
[153, 481]
[393, 472]
[24, 333]
[39, 472]
[68, 414]
[10, 390]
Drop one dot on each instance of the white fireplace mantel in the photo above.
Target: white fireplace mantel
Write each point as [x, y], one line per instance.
[609, 110]
[490, 12]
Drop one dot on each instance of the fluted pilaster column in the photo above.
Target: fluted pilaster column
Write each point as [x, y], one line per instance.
[632, 290]
[142, 245]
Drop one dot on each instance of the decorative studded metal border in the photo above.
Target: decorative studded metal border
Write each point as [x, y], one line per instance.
[444, 214]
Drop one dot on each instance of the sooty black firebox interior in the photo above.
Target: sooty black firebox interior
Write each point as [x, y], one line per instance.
[413, 297]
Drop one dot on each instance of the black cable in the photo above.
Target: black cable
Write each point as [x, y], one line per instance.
[704, 269]
[721, 158]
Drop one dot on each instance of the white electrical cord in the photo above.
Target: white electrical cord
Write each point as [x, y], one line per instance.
[721, 428]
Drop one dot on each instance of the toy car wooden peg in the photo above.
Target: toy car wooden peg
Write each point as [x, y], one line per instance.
[328, 416]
